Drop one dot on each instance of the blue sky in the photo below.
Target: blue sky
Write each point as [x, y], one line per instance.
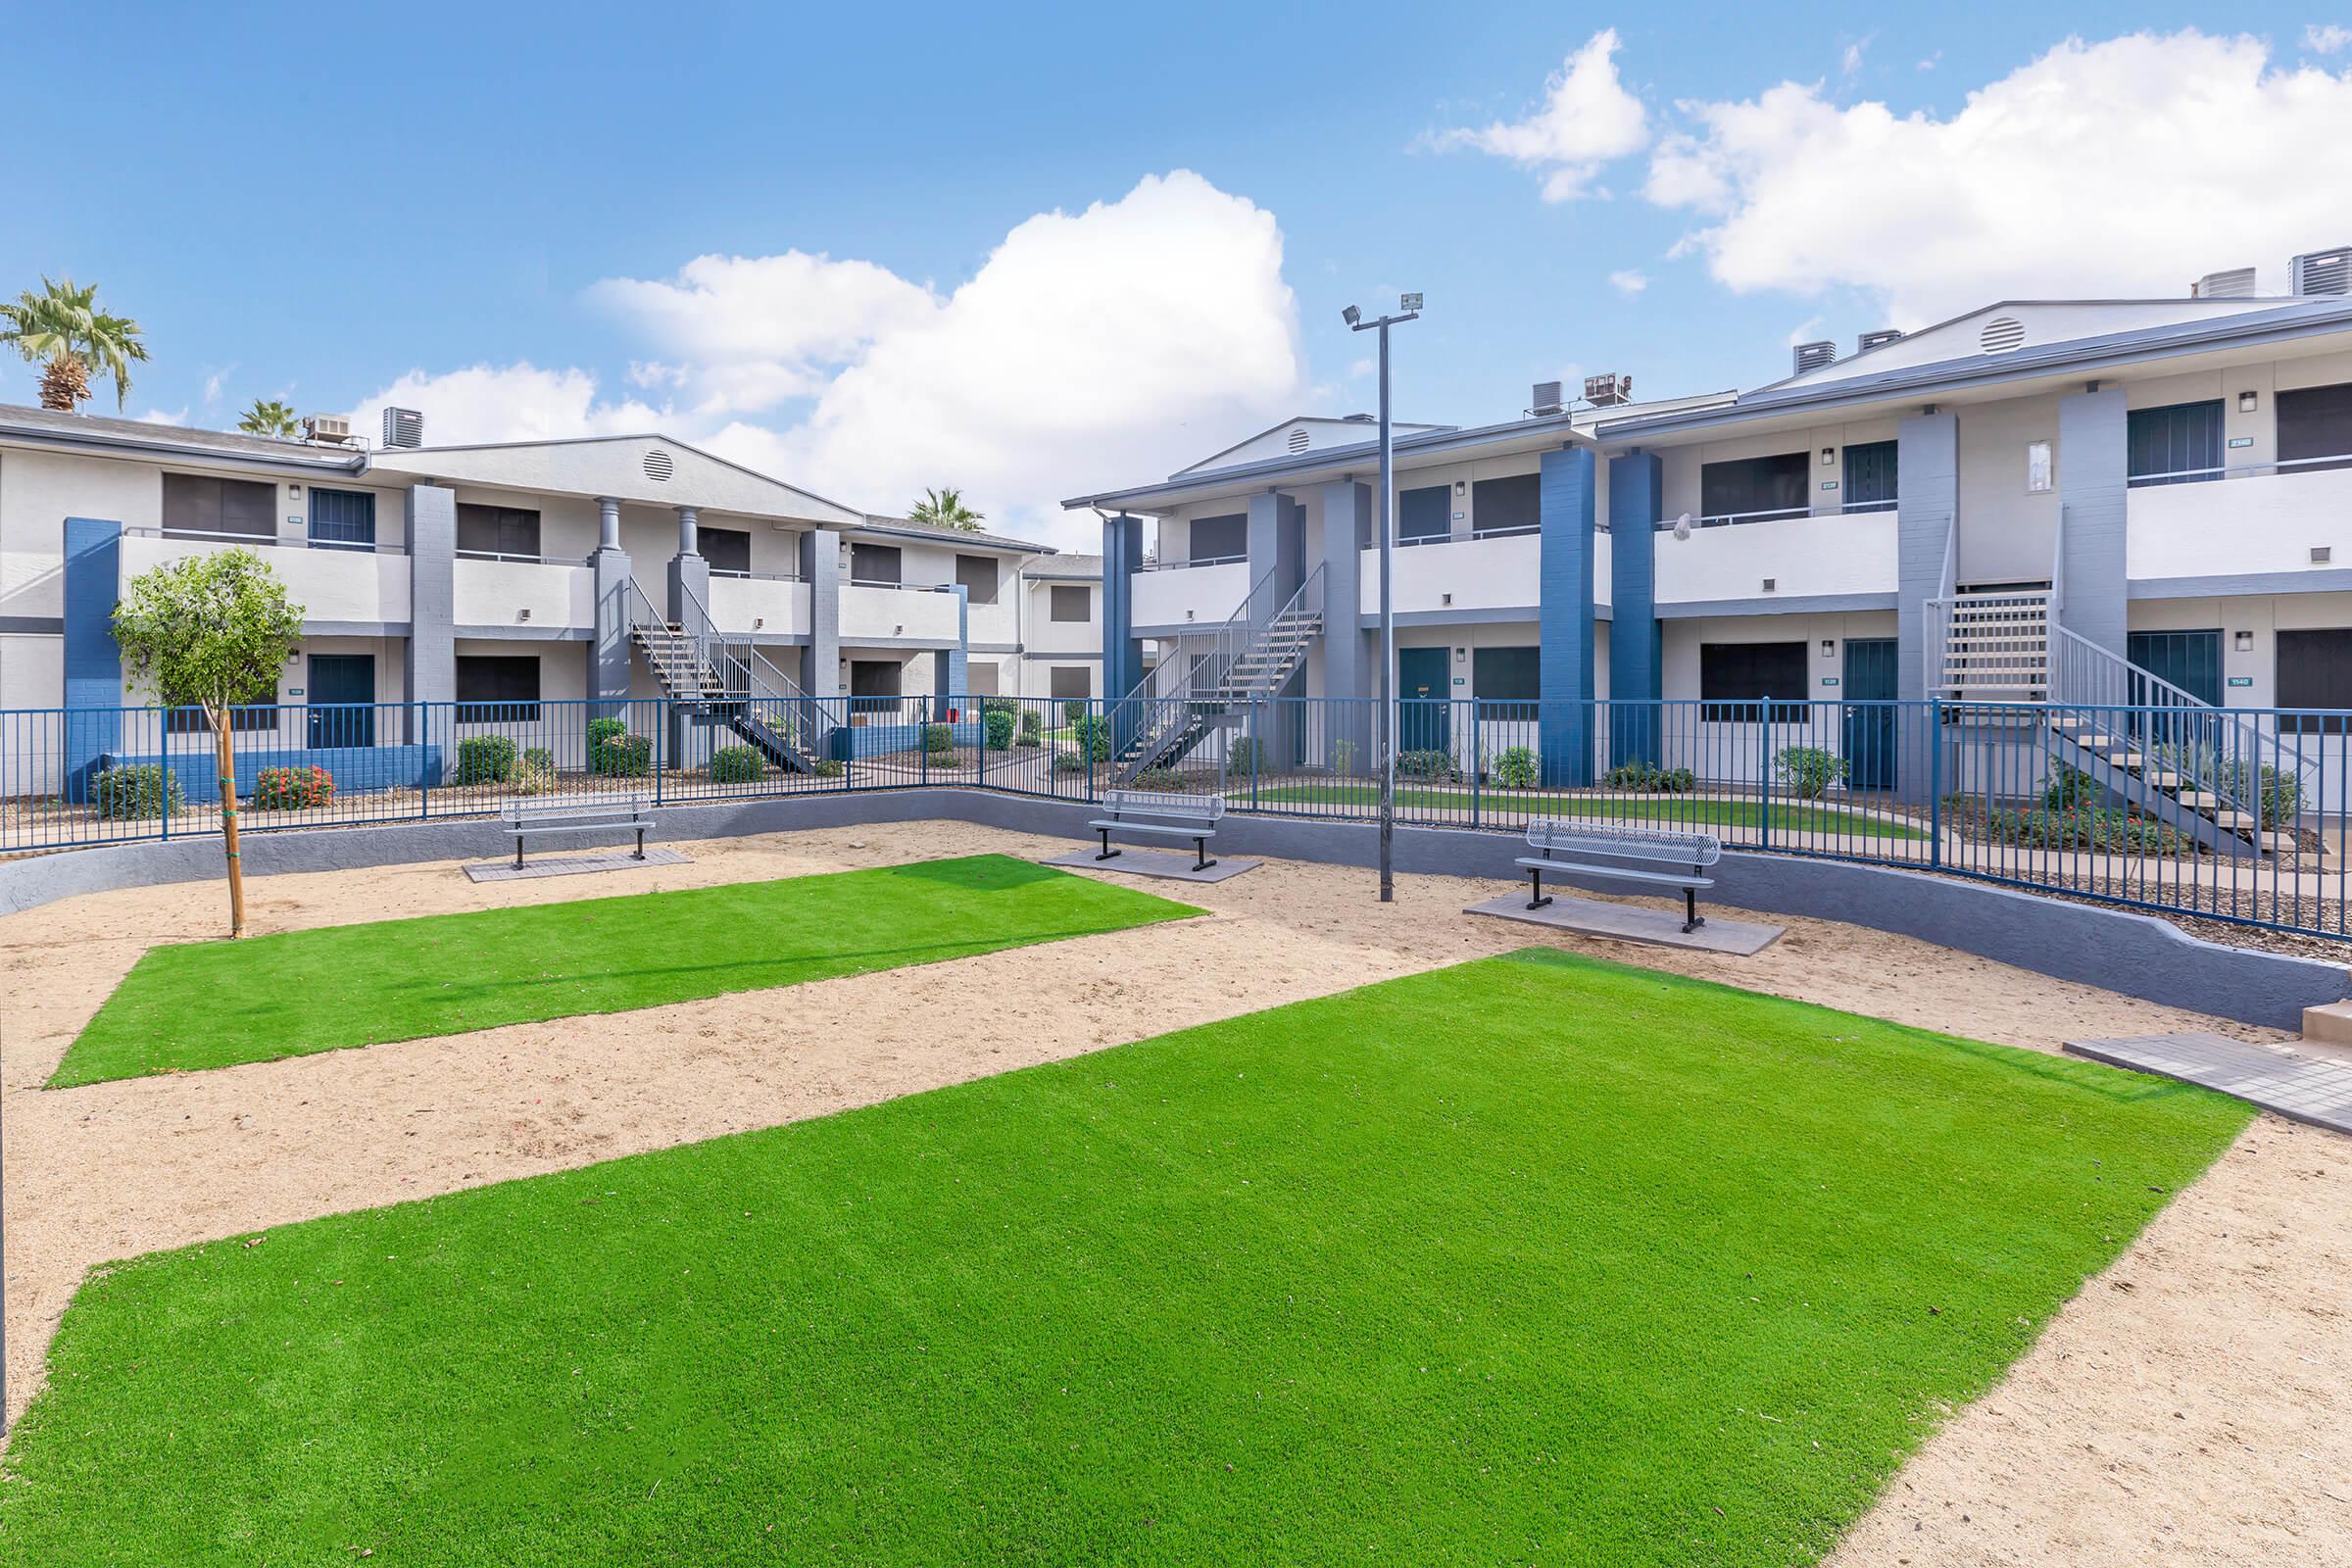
[319, 208]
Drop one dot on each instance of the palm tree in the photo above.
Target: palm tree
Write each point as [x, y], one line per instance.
[268, 417]
[62, 330]
[944, 508]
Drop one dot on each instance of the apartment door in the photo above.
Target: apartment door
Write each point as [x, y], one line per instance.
[1423, 711]
[2189, 659]
[339, 678]
[1870, 731]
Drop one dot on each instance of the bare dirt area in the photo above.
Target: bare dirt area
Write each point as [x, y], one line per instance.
[2191, 1405]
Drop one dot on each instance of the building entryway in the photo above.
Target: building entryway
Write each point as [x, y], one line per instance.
[342, 678]
[1424, 714]
[1870, 670]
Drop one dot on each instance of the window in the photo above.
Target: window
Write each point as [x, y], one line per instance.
[2167, 445]
[1511, 505]
[204, 504]
[2314, 670]
[976, 576]
[1068, 681]
[728, 550]
[980, 677]
[1733, 678]
[2042, 467]
[1424, 513]
[1225, 538]
[874, 684]
[2316, 421]
[342, 519]
[496, 531]
[500, 689]
[1070, 602]
[1773, 486]
[255, 710]
[1507, 675]
[1870, 476]
[875, 564]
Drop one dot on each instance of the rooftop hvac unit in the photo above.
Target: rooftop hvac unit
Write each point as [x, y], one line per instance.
[1545, 399]
[327, 428]
[1813, 356]
[2322, 272]
[403, 427]
[2238, 283]
[1608, 391]
[1878, 339]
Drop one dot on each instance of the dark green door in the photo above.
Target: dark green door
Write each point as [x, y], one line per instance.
[2190, 661]
[1423, 701]
[1870, 714]
[336, 679]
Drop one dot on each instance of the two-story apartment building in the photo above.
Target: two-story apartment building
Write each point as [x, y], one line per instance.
[2081, 500]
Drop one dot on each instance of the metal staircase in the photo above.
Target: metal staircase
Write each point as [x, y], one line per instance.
[726, 681]
[1190, 695]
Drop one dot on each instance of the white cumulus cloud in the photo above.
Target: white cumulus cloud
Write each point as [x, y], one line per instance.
[2117, 167]
[485, 403]
[2326, 39]
[1587, 119]
[1627, 281]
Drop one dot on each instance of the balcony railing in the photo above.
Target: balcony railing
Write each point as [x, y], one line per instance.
[264, 541]
[1731, 520]
[2238, 470]
[1190, 560]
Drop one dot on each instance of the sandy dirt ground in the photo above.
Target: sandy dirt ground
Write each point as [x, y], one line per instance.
[2191, 1405]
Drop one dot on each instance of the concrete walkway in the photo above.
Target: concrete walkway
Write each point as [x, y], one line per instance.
[2308, 1089]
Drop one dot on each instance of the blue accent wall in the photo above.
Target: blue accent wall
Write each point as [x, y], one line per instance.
[93, 663]
[1570, 478]
[952, 666]
[1636, 480]
[1122, 654]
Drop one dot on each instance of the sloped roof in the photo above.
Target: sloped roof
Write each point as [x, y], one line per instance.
[97, 430]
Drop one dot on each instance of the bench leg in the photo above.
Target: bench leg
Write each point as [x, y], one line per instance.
[518, 851]
[1692, 918]
[1109, 853]
[640, 844]
[1536, 897]
[1201, 861]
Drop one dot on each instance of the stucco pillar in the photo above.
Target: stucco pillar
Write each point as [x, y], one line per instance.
[1349, 668]
[1122, 649]
[689, 531]
[430, 663]
[951, 667]
[2094, 465]
[608, 522]
[690, 734]
[1569, 478]
[1926, 514]
[93, 660]
[1636, 482]
[820, 570]
[609, 654]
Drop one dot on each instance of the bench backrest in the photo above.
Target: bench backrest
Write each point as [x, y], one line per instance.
[1165, 803]
[525, 812]
[1554, 836]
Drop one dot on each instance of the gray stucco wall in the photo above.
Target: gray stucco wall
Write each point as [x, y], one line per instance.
[430, 511]
[2136, 955]
[2094, 467]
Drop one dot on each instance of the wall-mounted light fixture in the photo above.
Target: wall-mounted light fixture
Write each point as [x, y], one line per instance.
[1461, 656]
[1828, 457]
[758, 621]
[2248, 401]
[2243, 642]
[1447, 599]
[1829, 648]
[524, 613]
[293, 489]
[1461, 487]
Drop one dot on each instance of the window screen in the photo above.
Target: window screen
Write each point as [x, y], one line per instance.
[1773, 485]
[2316, 421]
[976, 576]
[728, 550]
[1425, 513]
[2314, 670]
[2169, 440]
[342, 519]
[497, 689]
[1870, 476]
[1225, 538]
[1068, 681]
[1070, 602]
[875, 564]
[980, 677]
[1735, 677]
[1507, 675]
[496, 531]
[204, 504]
[1511, 505]
[874, 685]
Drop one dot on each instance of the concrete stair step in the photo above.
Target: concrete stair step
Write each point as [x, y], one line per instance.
[2329, 1025]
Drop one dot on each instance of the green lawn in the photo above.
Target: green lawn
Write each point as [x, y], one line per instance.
[1454, 804]
[1535, 1259]
[212, 1004]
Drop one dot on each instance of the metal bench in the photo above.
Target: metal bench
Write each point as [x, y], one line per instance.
[1555, 838]
[1165, 813]
[623, 813]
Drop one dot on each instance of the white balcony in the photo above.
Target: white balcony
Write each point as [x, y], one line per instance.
[994, 623]
[2265, 521]
[1802, 558]
[761, 607]
[1173, 596]
[355, 586]
[1503, 571]
[539, 594]
[875, 613]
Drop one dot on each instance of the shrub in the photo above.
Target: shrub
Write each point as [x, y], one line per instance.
[2071, 789]
[1808, 771]
[1032, 730]
[541, 758]
[998, 722]
[939, 739]
[290, 789]
[1246, 754]
[486, 758]
[1074, 709]
[1000, 705]
[615, 753]
[1342, 757]
[2087, 827]
[532, 776]
[1431, 766]
[1641, 778]
[136, 790]
[1157, 778]
[2249, 784]
[826, 767]
[737, 765]
[1092, 736]
[1066, 761]
[1515, 769]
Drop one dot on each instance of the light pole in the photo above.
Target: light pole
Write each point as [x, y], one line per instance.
[1409, 308]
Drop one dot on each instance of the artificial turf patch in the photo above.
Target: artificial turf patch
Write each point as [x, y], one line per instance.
[214, 1004]
[1533, 1259]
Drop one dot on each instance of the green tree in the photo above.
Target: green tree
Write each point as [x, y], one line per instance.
[269, 417]
[944, 508]
[208, 630]
[61, 329]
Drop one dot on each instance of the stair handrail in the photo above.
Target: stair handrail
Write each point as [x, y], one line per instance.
[1156, 681]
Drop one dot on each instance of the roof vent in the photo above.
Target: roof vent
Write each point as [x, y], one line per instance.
[1296, 439]
[1878, 339]
[403, 427]
[1361, 419]
[2322, 272]
[2001, 334]
[1608, 391]
[1813, 356]
[658, 465]
[1545, 400]
[2238, 283]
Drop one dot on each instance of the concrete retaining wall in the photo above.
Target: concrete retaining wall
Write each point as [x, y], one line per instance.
[2136, 954]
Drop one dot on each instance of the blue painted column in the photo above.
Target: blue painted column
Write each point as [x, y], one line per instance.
[951, 667]
[1123, 652]
[1565, 573]
[93, 720]
[1636, 479]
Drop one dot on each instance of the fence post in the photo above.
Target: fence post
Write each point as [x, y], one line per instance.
[663, 717]
[1764, 774]
[1478, 758]
[1936, 781]
[423, 728]
[1258, 746]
